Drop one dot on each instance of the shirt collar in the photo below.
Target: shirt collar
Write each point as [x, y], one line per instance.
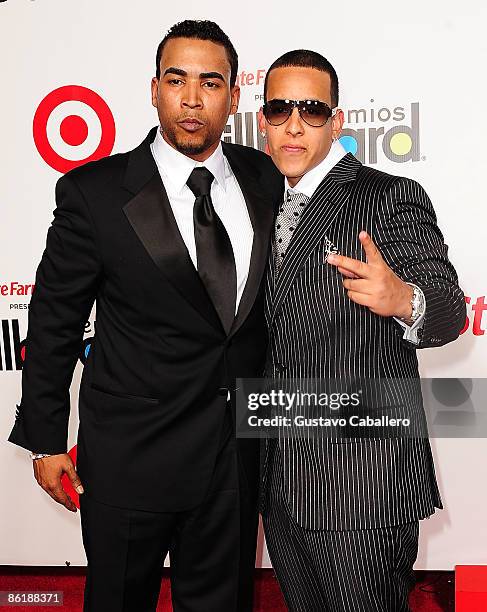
[308, 183]
[176, 167]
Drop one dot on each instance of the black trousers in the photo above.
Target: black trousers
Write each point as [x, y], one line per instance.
[368, 570]
[211, 548]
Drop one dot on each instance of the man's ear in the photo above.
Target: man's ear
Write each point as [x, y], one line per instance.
[337, 124]
[262, 122]
[235, 93]
[154, 90]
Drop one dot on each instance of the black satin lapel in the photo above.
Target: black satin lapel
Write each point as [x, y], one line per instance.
[261, 212]
[316, 218]
[152, 219]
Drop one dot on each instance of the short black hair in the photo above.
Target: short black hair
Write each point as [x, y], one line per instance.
[303, 58]
[200, 30]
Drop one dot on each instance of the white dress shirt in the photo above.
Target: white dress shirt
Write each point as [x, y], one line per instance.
[307, 185]
[226, 195]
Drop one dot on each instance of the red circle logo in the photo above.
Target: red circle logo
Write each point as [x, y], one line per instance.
[72, 126]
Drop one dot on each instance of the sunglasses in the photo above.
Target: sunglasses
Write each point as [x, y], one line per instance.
[312, 112]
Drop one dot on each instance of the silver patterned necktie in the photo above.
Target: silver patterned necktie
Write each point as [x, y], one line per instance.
[286, 223]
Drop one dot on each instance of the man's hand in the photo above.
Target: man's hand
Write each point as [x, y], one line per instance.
[374, 284]
[48, 472]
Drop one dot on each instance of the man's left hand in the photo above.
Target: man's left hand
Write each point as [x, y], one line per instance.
[374, 284]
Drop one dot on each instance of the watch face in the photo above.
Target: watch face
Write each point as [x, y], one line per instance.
[418, 303]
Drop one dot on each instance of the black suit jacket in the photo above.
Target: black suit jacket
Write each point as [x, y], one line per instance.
[154, 387]
[316, 331]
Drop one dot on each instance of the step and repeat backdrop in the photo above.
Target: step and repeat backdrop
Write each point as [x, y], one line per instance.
[76, 87]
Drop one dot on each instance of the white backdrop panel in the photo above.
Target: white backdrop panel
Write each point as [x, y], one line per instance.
[421, 62]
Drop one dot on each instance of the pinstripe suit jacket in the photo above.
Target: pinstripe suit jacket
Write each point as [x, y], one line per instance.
[316, 331]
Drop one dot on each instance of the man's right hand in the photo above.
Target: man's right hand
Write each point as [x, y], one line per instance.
[48, 472]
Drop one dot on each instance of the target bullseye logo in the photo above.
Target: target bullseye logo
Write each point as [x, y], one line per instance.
[73, 125]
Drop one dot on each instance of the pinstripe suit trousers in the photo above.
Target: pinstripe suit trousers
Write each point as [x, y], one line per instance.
[364, 570]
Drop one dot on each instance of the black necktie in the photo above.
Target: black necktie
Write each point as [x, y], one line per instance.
[214, 253]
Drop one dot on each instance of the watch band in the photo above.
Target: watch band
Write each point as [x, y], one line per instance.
[39, 455]
[417, 305]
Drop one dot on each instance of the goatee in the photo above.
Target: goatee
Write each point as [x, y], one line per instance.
[187, 148]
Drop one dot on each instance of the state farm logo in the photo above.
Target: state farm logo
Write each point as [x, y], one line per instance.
[16, 289]
[255, 77]
[72, 126]
[474, 321]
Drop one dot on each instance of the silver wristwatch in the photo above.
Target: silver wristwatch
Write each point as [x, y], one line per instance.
[418, 304]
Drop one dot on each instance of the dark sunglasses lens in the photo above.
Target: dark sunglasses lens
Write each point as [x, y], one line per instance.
[277, 111]
[315, 113]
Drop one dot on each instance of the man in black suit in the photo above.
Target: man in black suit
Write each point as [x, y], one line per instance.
[171, 241]
[360, 278]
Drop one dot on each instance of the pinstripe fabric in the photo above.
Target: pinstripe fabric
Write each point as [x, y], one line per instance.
[369, 570]
[316, 331]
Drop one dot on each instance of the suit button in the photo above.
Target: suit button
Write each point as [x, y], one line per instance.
[223, 391]
[280, 367]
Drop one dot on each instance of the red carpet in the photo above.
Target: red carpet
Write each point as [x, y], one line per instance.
[471, 588]
[434, 591]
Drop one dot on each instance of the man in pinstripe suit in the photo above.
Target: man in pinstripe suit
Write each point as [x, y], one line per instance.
[359, 279]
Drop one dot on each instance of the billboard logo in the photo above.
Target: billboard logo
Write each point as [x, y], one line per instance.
[244, 124]
[12, 349]
[85, 349]
[399, 143]
[72, 126]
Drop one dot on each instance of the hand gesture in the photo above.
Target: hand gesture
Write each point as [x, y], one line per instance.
[373, 283]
